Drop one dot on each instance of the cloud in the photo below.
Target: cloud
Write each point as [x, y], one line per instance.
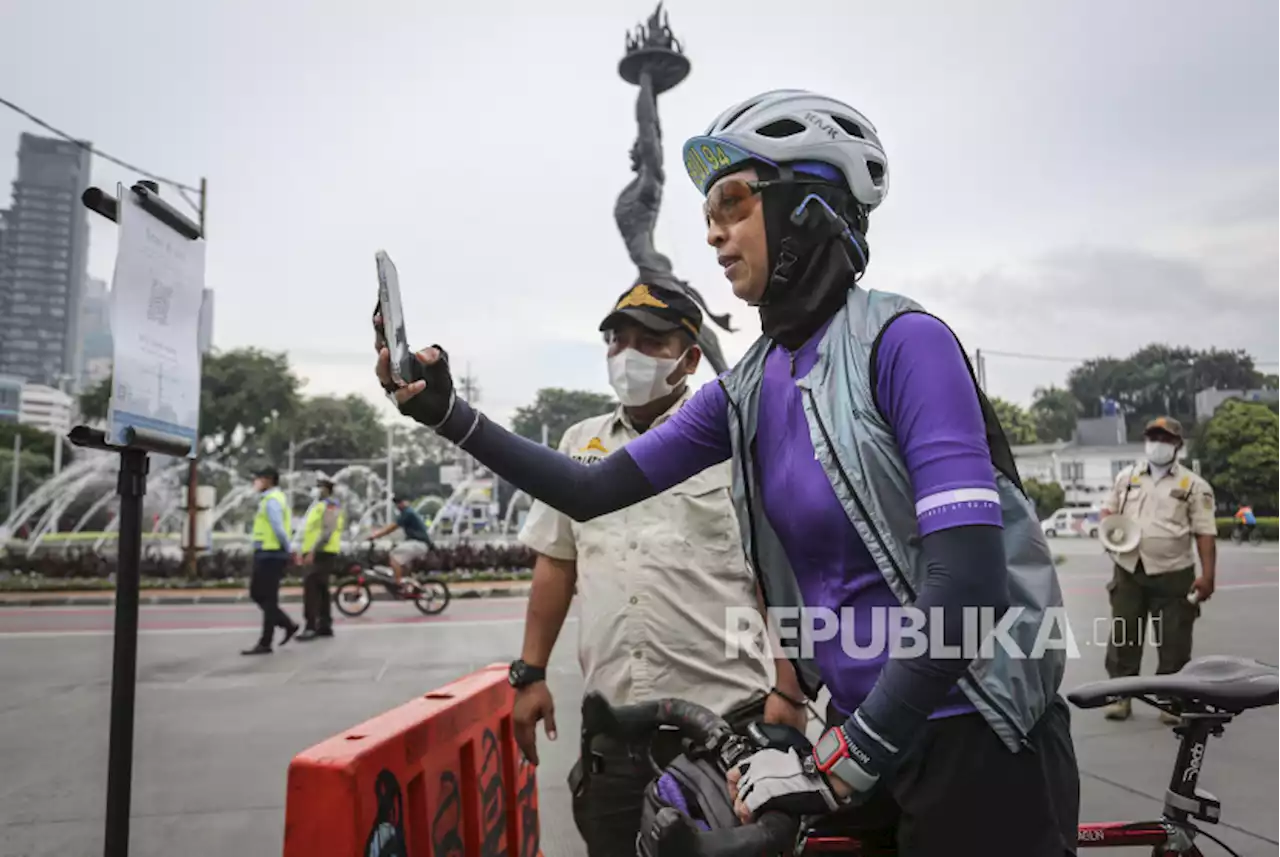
[1088, 301]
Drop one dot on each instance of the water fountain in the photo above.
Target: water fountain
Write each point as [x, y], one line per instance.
[361, 488]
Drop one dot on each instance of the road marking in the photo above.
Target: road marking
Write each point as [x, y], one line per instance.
[257, 626]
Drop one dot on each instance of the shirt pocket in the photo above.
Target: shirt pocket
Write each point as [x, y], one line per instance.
[1170, 515]
[703, 515]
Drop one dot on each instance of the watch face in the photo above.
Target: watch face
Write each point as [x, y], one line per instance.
[513, 675]
[827, 748]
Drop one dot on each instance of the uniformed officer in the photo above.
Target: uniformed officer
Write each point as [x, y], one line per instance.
[653, 581]
[1173, 508]
[271, 527]
[319, 549]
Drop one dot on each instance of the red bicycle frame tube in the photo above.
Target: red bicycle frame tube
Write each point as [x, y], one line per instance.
[1121, 834]
[1108, 834]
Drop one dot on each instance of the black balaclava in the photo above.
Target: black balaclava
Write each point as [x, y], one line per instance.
[812, 263]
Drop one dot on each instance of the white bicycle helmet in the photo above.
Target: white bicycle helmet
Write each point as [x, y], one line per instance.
[790, 125]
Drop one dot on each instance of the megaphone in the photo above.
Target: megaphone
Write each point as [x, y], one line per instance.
[1119, 533]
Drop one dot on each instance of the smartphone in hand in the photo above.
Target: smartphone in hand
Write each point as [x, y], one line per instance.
[403, 361]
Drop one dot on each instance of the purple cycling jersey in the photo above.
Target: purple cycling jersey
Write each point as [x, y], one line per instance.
[925, 390]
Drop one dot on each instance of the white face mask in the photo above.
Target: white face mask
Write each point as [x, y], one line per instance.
[315, 493]
[638, 379]
[1160, 453]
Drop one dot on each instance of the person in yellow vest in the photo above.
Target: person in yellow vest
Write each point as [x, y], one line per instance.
[318, 551]
[271, 526]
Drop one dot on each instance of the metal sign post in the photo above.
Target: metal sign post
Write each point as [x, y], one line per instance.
[133, 441]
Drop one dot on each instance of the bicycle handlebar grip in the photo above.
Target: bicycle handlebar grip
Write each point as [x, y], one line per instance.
[773, 833]
[636, 721]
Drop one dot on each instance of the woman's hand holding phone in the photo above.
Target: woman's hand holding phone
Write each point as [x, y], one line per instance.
[427, 400]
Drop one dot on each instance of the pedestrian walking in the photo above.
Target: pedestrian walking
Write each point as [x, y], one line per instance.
[271, 527]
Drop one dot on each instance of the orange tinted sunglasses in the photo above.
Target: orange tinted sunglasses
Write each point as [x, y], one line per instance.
[734, 200]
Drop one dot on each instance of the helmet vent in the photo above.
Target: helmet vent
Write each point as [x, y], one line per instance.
[781, 128]
[876, 169]
[734, 118]
[850, 127]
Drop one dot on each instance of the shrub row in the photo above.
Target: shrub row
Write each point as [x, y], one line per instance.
[465, 562]
[1269, 527]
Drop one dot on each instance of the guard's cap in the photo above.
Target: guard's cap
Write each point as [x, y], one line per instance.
[1168, 425]
[658, 308]
[267, 472]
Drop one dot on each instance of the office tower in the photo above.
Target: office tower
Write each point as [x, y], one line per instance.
[95, 333]
[46, 246]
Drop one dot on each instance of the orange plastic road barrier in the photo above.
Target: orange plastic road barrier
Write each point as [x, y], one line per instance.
[440, 776]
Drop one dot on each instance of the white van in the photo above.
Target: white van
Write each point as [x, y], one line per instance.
[1072, 522]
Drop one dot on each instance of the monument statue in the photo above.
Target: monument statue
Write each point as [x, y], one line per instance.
[655, 62]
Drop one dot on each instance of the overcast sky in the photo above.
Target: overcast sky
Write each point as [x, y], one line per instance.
[1071, 180]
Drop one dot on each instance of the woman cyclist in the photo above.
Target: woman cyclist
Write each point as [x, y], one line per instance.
[869, 474]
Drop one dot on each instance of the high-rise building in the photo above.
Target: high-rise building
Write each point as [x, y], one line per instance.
[10, 399]
[95, 333]
[47, 247]
[45, 408]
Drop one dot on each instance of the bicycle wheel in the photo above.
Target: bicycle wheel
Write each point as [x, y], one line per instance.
[352, 596]
[1236, 537]
[1255, 538]
[433, 596]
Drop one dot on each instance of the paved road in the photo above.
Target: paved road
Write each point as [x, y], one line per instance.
[216, 731]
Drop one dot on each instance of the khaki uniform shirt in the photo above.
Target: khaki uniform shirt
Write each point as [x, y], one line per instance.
[1168, 510]
[655, 581]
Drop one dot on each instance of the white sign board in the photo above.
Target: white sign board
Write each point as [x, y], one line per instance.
[156, 294]
[451, 474]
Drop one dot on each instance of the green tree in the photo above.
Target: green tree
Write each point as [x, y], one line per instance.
[336, 427]
[1018, 426]
[1054, 412]
[243, 393]
[34, 440]
[558, 409]
[1238, 454]
[1048, 496]
[1159, 379]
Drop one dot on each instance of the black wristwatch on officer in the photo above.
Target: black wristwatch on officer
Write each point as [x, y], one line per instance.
[521, 674]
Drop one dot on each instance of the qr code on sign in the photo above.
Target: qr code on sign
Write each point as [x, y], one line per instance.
[158, 302]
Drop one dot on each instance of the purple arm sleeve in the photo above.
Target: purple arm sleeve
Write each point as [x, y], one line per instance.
[926, 393]
[695, 438]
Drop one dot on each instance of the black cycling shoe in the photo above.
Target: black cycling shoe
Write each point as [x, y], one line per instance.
[257, 650]
[289, 632]
[307, 635]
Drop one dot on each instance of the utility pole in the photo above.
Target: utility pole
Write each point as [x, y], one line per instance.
[193, 466]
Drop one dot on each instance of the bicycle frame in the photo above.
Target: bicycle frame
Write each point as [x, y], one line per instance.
[1171, 834]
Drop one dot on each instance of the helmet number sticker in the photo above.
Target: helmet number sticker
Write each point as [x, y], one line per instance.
[703, 160]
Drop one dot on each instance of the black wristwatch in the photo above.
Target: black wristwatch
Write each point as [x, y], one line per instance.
[522, 675]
